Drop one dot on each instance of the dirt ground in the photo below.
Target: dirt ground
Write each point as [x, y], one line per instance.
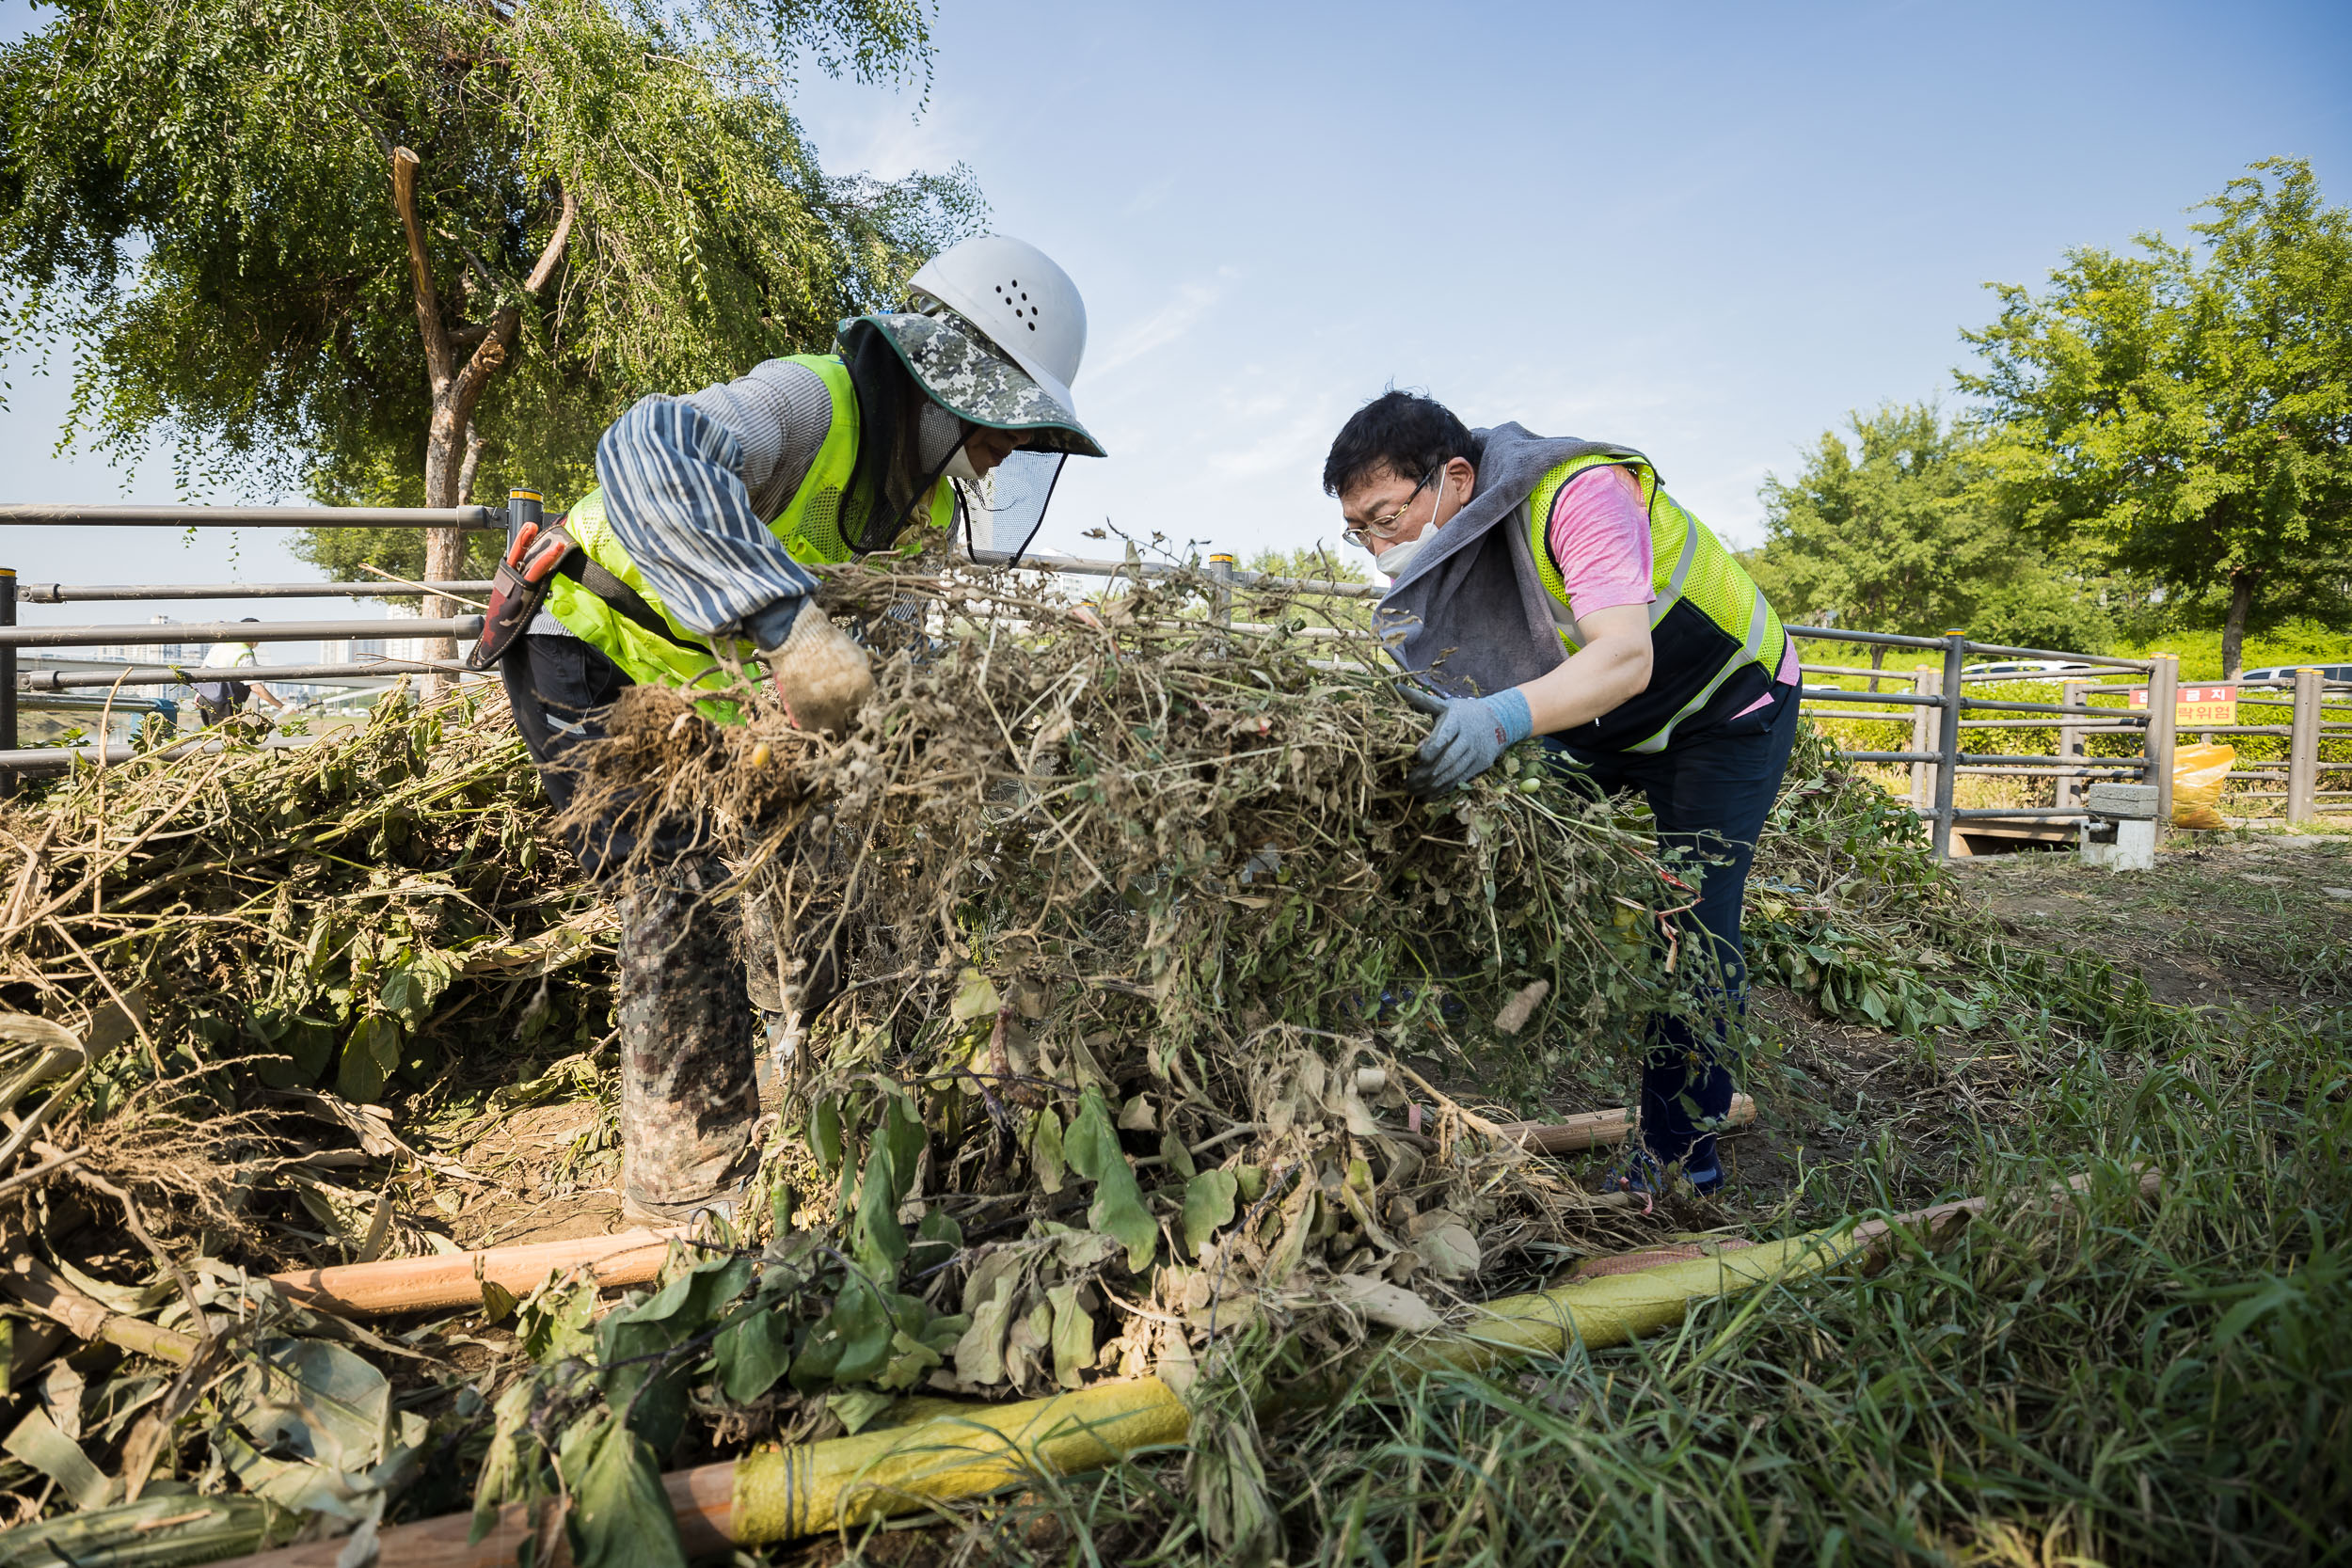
[2258, 921]
[2236, 921]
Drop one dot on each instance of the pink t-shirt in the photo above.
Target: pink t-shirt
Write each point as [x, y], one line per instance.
[1600, 535]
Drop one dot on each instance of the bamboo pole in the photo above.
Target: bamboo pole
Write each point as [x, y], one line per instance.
[780, 1494]
[1593, 1129]
[34, 1284]
[635, 1257]
[456, 1278]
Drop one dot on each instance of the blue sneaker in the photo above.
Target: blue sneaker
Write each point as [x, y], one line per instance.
[1644, 1174]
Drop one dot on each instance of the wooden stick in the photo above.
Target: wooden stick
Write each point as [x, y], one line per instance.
[41, 1289]
[894, 1470]
[1591, 1129]
[456, 1278]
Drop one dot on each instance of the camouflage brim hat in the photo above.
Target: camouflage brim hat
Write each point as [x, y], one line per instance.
[955, 366]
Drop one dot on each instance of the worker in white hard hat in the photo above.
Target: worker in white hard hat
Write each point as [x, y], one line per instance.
[691, 553]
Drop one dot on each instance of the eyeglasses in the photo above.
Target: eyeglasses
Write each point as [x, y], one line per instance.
[1386, 528]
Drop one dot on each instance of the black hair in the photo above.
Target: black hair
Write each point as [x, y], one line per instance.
[1403, 432]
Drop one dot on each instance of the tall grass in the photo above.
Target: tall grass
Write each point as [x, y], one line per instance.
[2103, 1379]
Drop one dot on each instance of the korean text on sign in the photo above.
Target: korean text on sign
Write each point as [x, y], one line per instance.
[2196, 705]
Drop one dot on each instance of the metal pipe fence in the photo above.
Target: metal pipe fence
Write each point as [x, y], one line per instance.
[1936, 705]
[121, 593]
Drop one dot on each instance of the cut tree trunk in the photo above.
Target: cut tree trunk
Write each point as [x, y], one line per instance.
[452, 447]
[2233, 629]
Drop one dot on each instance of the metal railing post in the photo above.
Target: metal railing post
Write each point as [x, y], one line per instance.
[1926, 681]
[1947, 740]
[1221, 573]
[523, 506]
[2070, 743]
[2163, 714]
[2303, 748]
[7, 678]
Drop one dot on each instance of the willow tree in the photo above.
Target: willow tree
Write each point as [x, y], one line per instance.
[405, 252]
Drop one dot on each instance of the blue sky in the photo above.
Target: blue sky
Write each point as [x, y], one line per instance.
[1706, 230]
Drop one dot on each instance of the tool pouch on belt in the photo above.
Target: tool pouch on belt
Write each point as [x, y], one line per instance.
[514, 599]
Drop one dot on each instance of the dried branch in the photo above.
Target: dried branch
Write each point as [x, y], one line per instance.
[437, 357]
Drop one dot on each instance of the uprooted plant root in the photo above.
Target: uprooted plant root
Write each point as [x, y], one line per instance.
[1162, 1022]
[1144, 935]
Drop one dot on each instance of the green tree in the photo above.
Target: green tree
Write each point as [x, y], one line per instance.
[1318, 562]
[402, 251]
[2184, 414]
[1891, 531]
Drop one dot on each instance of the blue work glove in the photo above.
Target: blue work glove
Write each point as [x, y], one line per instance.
[1471, 733]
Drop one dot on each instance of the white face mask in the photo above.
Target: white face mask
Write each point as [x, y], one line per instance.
[1393, 560]
[960, 466]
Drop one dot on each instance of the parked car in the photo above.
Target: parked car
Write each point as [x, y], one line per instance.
[2286, 671]
[2020, 668]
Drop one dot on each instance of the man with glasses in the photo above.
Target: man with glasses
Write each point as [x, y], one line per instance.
[1551, 587]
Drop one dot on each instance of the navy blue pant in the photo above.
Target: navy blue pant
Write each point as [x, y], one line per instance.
[1709, 793]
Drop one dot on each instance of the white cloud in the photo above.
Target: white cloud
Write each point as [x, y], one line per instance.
[1164, 325]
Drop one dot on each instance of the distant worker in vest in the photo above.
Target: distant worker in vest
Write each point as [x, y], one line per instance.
[217, 697]
[1551, 587]
[692, 547]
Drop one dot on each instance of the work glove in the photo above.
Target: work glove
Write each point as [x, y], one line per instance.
[1471, 733]
[819, 675]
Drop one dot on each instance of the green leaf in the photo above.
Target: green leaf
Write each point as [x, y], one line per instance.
[902, 1135]
[936, 1239]
[910, 1360]
[621, 1516]
[1208, 1206]
[975, 998]
[752, 1352]
[370, 1055]
[556, 1324]
[858, 1407]
[824, 1134]
[1118, 1210]
[1045, 1149]
[862, 1322]
[877, 1240]
[981, 1351]
[1073, 1335]
[628, 1343]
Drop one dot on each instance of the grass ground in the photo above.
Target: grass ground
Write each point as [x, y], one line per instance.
[2106, 1380]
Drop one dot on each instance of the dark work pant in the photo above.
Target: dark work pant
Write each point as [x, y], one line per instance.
[1709, 793]
[687, 1090]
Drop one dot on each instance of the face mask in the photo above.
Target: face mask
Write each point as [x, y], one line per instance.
[1393, 560]
[960, 466]
[936, 433]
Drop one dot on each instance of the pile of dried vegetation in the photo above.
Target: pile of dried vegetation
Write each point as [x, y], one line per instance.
[1163, 996]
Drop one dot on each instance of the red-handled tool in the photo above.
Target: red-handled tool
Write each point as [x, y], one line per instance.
[521, 585]
[549, 555]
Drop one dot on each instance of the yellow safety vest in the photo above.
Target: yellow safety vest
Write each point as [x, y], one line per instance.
[810, 526]
[1716, 643]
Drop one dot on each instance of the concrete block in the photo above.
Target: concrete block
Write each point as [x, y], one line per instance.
[2126, 846]
[2128, 801]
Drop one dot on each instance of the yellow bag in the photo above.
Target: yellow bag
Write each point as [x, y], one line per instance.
[2199, 774]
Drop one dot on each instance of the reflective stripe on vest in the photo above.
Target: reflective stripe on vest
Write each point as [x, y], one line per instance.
[1689, 567]
[810, 527]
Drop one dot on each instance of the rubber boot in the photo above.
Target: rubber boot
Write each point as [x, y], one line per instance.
[687, 1094]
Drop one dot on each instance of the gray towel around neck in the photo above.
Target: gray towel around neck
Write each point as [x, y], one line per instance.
[1471, 617]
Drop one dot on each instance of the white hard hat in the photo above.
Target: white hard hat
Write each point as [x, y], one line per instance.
[1015, 295]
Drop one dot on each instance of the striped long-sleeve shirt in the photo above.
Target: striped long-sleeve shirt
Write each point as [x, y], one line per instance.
[691, 482]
